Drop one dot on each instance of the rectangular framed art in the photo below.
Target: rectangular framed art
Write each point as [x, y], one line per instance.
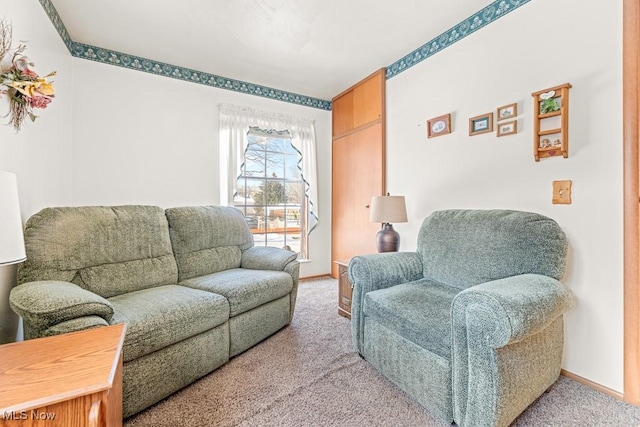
[507, 111]
[508, 128]
[439, 126]
[481, 124]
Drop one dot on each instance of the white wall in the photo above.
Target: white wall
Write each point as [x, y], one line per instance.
[144, 139]
[40, 155]
[130, 137]
[542, 44]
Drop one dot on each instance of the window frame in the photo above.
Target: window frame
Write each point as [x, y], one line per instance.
[283, 149]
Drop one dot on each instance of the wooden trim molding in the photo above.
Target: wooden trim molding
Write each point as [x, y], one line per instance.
[630, 90]
[591, 384]
[317, 276]
[358, 129]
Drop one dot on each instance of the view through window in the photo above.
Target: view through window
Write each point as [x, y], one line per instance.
[271, 192]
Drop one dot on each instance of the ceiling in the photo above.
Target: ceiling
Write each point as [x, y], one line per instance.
[316, 48]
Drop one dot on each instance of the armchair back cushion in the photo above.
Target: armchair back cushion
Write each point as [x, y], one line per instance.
[463, 248]
[220, 248]
[106, 250]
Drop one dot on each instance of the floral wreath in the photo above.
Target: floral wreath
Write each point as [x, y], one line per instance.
[25, 89]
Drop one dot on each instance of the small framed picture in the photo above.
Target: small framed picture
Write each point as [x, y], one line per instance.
[439, 126]
[481, 124]
[507, 111]
[508, 128]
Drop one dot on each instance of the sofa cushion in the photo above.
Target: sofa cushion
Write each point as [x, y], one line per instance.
[161, 316]
[419, 311]
[207, 239]
[122, 277]
[243, 288]
[97, 246]
[463, 248]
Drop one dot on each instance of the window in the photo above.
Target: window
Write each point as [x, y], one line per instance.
[271, 191]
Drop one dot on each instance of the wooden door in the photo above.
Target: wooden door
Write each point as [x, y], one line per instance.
[358, 167]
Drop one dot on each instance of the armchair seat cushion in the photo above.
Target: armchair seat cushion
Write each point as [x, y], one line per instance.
[243, 288]
[164, 315]
[419, 311]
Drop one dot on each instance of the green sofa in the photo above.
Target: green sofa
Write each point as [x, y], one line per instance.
[188, 282]
[470, 325]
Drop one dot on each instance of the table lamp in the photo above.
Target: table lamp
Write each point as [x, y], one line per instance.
[11, 252]
[388, 209]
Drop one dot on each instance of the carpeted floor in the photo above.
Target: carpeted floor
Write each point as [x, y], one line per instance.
[308, 375]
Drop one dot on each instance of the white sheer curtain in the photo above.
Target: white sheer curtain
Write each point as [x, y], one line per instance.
[235, 122]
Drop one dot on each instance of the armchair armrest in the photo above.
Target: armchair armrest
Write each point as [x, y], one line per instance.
[267, 258]
[511, 309]
[507, 344]
[44, 304]
[378, 271]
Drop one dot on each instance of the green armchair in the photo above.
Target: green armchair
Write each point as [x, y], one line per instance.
[470, 325]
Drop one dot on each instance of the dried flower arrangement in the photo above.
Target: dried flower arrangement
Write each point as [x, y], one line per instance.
[25, 89]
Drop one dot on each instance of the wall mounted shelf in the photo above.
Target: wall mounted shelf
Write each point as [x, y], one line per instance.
[547, 105]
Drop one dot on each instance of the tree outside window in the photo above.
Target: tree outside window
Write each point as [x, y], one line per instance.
[271, 192]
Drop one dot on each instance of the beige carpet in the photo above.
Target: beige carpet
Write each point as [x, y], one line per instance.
[308, 375]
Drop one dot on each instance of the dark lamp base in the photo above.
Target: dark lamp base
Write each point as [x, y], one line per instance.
[388, 239]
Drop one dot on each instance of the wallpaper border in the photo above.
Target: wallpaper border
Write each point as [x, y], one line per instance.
[480, 19]
[484, 17]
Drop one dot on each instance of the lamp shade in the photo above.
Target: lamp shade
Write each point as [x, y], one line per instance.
[388, 209]
[11, 237]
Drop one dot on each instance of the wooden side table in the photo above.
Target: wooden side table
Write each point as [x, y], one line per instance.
[345, 289]
[66, 380]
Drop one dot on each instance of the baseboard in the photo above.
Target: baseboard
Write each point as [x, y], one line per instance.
[318, 276]
[593, 385]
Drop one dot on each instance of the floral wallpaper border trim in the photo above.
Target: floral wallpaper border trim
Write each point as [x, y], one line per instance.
[484, 17]
[106, 56]
[52, 13]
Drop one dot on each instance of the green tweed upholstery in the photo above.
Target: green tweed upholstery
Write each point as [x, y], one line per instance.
[251, 327]
[207, 239]
[266, 258]
[45, 303]
[77, 324]
[161, 316]
[106, 250]
[244, 289]
[419, 311]
[93, 266]
[515, 324]
[378, 271]
[154, 376]
[469, 325]
[463, 248]
[423, 375]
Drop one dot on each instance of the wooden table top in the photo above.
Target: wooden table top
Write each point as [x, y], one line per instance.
[45, 371]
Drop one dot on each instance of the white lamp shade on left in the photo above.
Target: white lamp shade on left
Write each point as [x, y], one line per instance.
[11, 237]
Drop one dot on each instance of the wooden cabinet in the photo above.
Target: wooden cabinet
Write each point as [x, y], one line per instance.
[345, 289]
[358, 166]
[67, 380]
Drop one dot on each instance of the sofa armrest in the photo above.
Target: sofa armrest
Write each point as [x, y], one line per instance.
[267, 258]
[378, 271]
[507, 345]
[44, 304]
